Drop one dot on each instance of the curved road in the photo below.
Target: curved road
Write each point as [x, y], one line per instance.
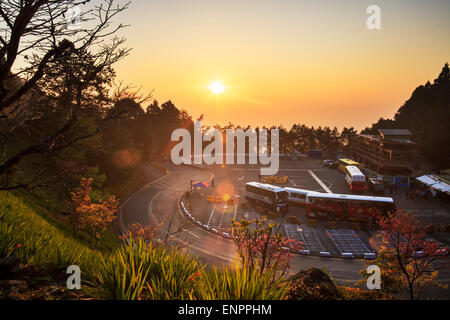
[158, 202]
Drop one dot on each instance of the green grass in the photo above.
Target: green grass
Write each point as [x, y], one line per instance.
[31, 233]
[48, 212]
[241, 284]
[164, 274]
[28, 232]
[141, 271]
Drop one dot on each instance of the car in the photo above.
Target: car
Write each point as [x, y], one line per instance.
[375, 185]
[206, 227]
[442, 252]
[226, 235]
[333, 165]
[326, 163]
[214, 230]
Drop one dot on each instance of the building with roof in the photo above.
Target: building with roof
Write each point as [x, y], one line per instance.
[392, 152]
[436, 183]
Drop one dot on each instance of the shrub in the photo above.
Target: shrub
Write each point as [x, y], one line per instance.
[143, 271]
[140, 270]
[242, 284]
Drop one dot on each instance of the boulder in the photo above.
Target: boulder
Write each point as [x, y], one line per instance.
[15, 296]
[8, 267]
[312, 284]
[16, 285]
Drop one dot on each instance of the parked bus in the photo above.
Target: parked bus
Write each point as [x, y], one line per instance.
[269, 195]
[297, 196]
[347, 207]
[355, 179]
[347, 162]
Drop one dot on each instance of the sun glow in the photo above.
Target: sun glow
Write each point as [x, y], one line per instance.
[216, 87]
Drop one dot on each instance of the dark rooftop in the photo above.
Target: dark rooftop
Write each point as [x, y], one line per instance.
[395, 132]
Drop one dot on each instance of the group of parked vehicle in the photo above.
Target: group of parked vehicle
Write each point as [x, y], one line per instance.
[355, 178]
[324, 205]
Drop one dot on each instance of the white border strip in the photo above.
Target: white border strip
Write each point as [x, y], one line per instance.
[324, 187]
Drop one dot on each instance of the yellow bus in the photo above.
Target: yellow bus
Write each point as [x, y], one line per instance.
[343, 163]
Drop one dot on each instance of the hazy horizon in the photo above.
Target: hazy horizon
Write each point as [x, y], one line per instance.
[285, 62]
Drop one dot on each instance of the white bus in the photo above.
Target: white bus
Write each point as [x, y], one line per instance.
[355, 179]
[297, 196]
[347, 206]
[269, 195]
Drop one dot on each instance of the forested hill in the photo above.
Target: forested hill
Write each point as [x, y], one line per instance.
[427, 115]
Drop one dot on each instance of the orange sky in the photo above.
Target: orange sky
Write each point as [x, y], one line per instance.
[285, 62]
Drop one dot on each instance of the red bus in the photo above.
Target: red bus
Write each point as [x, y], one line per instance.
[347, 207]
[355, 179]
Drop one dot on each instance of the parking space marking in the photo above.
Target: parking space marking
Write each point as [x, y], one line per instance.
[235, 211]
[347, 241]
[312, 239]
[211, 215]
[307, 235]
[324, 187]
[293, 233]
[234, 218]
[293, 183]
[215, 221]
[221, 219]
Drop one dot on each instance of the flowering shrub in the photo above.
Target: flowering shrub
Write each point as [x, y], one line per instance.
[90, 216]
[263, 248]
[138, 232]
[407, 260]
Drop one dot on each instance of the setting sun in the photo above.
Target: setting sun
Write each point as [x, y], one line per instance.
[216, 87]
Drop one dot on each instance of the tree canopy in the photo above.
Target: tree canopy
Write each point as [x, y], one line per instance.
[427, 115]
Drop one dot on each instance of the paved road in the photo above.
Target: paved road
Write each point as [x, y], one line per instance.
[159, 202]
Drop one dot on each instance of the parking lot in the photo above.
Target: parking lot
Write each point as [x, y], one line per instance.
[348, 242]
[307, 235]
[221, 216]
[341, 239]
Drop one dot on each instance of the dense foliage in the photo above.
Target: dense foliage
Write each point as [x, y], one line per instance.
[427, 114]
[409, 262]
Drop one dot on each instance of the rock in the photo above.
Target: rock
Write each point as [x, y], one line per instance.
[15, 296]
[30, 270]
[13, 289]
[69, 295]
[17, 285]
[312, 284]
[8, 267]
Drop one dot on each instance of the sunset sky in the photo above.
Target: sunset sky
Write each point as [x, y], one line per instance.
[285, 62]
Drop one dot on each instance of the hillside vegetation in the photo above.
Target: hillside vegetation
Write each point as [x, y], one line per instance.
[28, 232]
[427, 114]
[135, 271]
